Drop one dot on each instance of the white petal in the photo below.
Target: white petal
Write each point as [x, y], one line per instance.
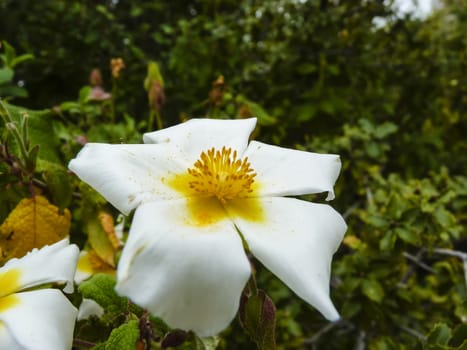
[42, 319]
[197, 135]
[296, 241]
[53, 263]
[89, 308]
[6, 339]
[190, 276]
[287, 172]
[127, 175]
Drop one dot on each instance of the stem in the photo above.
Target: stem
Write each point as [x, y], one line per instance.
[159, 121]
[150, 120]
[112, 101]
[22, 147]
[252, 288]
[83, 343]
[4, 113]
[14, 130]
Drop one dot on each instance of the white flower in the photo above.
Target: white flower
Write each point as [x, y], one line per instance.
[39, 318]
[89, 308]
[198, 188]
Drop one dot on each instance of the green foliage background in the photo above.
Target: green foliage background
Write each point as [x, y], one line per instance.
[320, 76]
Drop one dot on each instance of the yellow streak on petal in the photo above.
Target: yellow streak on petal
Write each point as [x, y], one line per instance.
[8, 302]
[207, 210]
[9, 283]
[246, 208]
[181, 184]
[204, 211]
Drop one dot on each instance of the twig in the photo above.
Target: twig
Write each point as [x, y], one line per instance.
[413, 332]
[416, 260]
[457, 254]
[360, 342]
[83, 343]
[351, 209]
[411, 269]
[450, 252]
[320, 332]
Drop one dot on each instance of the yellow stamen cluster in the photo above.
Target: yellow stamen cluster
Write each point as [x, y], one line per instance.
[220, 174]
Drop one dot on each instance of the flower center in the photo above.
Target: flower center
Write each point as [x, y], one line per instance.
[222, 175]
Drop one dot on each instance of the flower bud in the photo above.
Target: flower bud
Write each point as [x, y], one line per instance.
[217, 92]
[156, 96]
[258, 318]
[95, 78]
[116, 65]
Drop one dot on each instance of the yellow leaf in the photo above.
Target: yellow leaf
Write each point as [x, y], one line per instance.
[107, 223]
[90, 263]
[32, 224]
[102, 237]
[352, 241]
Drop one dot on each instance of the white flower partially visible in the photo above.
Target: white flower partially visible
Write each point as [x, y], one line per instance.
[195, 187]
[40, 318]
[89, 308]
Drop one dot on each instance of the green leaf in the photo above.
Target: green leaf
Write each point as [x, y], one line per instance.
[373, 290]
[19, 59]
[10, 53]
[385, 129]
[71, 107]
[459, 337]
[406, 234]
[304, 112]
[10, 90]
[387, 242]
[6, 75]
[439, 334]
[444, 217]
[58, 182]
[264, 118]
[124, 337]
[100, 288]
[40, 131]
[306, 68]
[84, 94]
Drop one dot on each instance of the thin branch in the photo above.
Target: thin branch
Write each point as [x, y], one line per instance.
[360, 342]
[83, 343]
[351, 209]
[456, 254]
[320, 332]
[412, 268]
[450, 252]
[413, 332]
[416, 260]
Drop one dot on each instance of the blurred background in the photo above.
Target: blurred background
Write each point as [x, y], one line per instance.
[382, 83]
